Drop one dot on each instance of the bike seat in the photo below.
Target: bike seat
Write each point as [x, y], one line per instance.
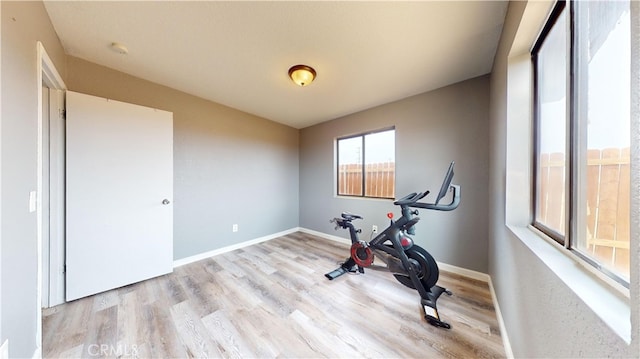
[350, 216]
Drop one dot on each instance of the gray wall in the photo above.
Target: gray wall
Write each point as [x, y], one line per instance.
[432, 129]
[543, 317]
[230, 167]
[19, 143]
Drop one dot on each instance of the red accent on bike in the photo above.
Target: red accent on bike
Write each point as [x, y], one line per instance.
[390, 215]
[361, 254]
[406, 242]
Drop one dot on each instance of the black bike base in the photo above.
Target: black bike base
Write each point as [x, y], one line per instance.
[349, 266]
[431, 310]
[336, 273]
[437, 322]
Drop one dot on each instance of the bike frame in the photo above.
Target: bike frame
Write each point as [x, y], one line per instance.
[393, 234]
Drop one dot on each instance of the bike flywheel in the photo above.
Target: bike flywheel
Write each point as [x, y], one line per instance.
[426, 268]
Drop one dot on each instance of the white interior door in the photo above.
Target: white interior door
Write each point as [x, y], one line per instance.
[119, 191]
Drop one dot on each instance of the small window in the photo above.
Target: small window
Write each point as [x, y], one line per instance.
[366, 165]
[582, 64]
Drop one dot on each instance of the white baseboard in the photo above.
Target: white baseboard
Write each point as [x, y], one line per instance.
[503, 331]
[484, 277]
[205, 255]
[324, 235]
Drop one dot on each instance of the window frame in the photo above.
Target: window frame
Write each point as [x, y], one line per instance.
[574, 151]
[558, 9]
[362, 135]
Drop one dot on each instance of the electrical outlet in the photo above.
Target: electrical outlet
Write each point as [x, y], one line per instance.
[374, 229]
[235, 228]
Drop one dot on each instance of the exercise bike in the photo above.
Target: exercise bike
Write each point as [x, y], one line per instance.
[409, 263]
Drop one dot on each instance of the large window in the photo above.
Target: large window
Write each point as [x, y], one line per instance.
[582, 132]
[366, 165]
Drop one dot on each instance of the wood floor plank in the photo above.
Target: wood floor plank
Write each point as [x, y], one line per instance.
[259, 261]
[160, 332]
[237, 295]
[256, 336]
[226, 336]
[201, 298]
[227, 262]
[193, 333]
[102, 333]
[70, 326]
[290, 343]
[128, 321]
[72, 353]
[105, 300]
[272, 300]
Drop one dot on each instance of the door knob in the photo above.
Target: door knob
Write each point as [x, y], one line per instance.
[165, 201]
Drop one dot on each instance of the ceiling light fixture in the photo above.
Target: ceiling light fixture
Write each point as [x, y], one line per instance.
[302, 75]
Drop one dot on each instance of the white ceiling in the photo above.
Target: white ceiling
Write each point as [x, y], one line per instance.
[237, 53]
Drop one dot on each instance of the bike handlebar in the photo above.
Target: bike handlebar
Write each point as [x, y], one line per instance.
[411, 198]
[406, 198]
[441, 207]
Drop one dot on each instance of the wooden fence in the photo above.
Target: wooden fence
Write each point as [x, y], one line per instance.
[380, 180]
[608, 202]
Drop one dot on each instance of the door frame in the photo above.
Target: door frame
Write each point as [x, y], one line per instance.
[53, 197]
[47, 75]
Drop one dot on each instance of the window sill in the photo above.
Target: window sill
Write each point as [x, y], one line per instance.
[607, 299]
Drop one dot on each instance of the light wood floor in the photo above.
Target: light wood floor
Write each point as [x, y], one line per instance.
[272, 300]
